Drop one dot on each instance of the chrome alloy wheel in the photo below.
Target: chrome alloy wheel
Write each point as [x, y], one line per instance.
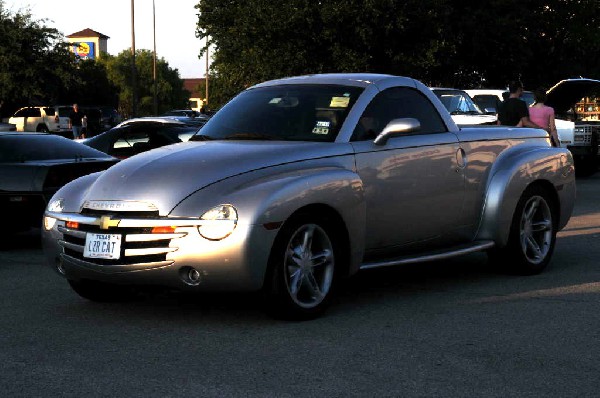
[309, 265]
[536, 229]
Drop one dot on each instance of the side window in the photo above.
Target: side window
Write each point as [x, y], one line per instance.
[35, 112]
[21, 113]
[396, 103]
[49, 111]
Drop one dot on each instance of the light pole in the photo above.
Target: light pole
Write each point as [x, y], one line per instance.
[133, 69]
[154, 60]
[206, 78]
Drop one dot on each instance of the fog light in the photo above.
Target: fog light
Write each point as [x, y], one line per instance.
[190, 276]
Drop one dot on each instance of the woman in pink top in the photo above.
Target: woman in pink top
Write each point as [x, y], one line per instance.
[543, 115]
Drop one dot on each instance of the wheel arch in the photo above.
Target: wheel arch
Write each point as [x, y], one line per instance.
[550, 169]
[334, 220]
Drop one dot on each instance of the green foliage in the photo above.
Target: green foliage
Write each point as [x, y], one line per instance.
[92, 85]
[452, 43]
[170, 91]
[36, 65]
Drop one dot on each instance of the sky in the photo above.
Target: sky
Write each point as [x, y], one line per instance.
[176, 41]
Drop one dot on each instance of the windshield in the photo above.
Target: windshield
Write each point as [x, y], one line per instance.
[527, 96]
[286, 112]
[458, 102]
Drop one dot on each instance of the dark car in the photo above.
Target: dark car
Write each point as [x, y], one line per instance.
[182, 112]
[139, 135]
[33, 167]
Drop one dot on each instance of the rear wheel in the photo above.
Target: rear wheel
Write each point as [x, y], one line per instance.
[101, 292]
[532, 234]
[42, 128]
[302, 266]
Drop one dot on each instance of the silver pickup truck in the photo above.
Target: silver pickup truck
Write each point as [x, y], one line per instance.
[297, 183]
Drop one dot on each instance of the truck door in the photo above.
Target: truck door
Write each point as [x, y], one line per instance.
[413, 184]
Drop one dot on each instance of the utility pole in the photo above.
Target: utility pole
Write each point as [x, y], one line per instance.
[154, 60]
[206, 78]
[133, 69]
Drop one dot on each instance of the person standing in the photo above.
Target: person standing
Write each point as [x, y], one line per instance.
[514, 111]
[543, 115]
[76, 121]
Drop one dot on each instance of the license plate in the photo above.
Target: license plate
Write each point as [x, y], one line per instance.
[106, 246]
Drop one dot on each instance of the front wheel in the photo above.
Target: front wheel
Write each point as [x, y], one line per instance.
[302, 266]
[532, 234]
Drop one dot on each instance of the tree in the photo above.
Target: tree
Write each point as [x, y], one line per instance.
[259, 39]
[170, 91]
[537, 42]
[35, 62]
[451, 43]
[92, 85]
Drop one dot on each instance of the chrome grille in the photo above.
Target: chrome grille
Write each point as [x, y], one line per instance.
[139, 245]
[583, 133]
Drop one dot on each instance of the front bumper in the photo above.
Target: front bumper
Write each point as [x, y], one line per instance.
[580, 152]
[235, 263]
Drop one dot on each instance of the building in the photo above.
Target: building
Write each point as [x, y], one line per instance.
[88, 44]
[194, 86]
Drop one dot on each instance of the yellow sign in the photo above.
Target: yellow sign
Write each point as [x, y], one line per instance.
[339, 102]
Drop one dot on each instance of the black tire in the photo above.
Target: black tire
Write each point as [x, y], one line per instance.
[302, 269]
[532, 234]
[42, 128]
[101, 292]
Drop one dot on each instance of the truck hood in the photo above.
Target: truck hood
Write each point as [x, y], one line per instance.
[566, 93]
[167, 175]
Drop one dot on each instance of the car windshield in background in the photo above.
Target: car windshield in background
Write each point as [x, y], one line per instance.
[527, 96]
[487, 102]
[43, 147]
[457, 102]
[284, 113]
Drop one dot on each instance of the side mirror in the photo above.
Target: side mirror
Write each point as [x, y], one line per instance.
[396, 127]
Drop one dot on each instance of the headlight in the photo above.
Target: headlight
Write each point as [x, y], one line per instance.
[56, 205]
[219, 222]
[49, 223]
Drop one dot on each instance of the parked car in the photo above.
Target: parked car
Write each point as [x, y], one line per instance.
[52, 119]
[581, 137]
[297, 183]
[462, 108]
[110, 117]
[138, 135]
[183, 112]
[32, 168]
[7, 127]
[488, 100]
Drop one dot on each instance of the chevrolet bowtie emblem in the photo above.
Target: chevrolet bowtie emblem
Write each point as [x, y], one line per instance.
[106, 222]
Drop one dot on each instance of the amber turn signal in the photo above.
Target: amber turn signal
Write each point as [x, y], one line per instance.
[163, 230]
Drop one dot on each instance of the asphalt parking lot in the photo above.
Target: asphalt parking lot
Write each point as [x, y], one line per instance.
[446, 329]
